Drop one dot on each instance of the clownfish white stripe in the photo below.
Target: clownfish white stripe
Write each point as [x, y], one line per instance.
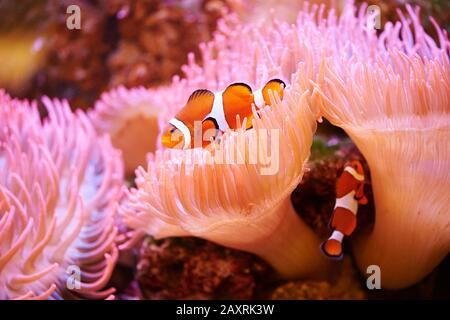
[337, 235]
[347, 202]
[184, 130]
[217, 112]
[259, 99]
[355, 174]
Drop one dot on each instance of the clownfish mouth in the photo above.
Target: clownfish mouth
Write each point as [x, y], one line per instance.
[175, 138]
[168, 141]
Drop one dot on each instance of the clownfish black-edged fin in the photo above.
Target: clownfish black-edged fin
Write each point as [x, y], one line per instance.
[277, 85]
[276, 80]
[239, 87]
[209, 125]
[329, 255]
[237, 100]
[199, 93]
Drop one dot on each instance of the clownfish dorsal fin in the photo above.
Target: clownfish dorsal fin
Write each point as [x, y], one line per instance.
[199, 93]
[237, 100]
[199, 104]
[276, 85]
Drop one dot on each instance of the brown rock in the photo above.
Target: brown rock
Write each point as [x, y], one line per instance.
[190, 268]
[347, 285]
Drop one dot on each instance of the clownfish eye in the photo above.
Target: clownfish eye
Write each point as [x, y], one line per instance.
[172, 130]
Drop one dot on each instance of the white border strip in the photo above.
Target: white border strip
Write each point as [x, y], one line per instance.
[355, 174]
[184, 130]
[218, 113]
[259, 99]
[337, 235]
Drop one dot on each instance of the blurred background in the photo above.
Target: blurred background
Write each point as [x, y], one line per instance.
[127, 42]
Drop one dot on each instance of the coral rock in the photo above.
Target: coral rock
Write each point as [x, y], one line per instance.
[190, 268]
[346, 286]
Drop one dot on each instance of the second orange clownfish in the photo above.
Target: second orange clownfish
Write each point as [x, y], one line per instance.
[349, 193]
[216, 111]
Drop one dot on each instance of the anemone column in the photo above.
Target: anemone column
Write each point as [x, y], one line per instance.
[411, 185]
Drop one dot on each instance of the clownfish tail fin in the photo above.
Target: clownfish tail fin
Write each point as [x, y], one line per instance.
[332, 247]
[276, 80]
[276, 85]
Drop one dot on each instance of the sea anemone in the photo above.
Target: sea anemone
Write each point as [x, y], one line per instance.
[133, 119]
[237, 194]
[191, 193]
[397, 112]
[247, 203]
[59, 186]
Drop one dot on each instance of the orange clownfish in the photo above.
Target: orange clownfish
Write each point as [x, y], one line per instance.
[216, 111]
[349, 193]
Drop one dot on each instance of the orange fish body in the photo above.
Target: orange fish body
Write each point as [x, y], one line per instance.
[349, 194]
[207, 113]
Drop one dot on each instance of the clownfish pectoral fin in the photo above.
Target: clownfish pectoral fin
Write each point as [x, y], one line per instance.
[249, 122]
[359, 196]
[210, 129]
[276, 85]
[332, 247]
[363, 200]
